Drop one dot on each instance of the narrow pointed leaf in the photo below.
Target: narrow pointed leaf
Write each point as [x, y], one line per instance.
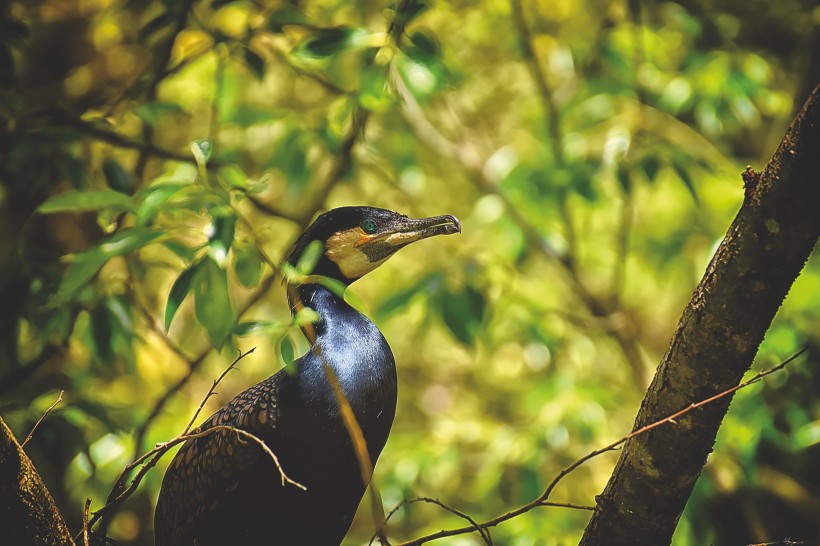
[179, 291]
[212, 302]
[77, 201]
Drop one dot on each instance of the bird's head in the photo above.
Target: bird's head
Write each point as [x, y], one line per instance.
[357, 240]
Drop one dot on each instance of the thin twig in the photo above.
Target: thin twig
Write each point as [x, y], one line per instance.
[40, 420]
[85, 521]
[485, 533]
[212, 390]
[542, 499]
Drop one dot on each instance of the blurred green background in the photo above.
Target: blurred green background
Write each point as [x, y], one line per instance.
[591, 149]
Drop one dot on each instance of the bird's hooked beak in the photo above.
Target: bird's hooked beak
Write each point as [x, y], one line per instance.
[357, 252]
[404, 231]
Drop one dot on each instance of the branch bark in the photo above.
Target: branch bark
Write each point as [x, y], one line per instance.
[28, 514]
[716, 341]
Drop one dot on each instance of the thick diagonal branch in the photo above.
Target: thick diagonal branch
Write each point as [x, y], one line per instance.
[716, 340]
[28, 514]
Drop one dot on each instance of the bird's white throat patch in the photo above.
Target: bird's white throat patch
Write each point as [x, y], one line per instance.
[344, 249]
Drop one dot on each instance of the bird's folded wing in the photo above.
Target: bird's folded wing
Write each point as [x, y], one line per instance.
[207, 469]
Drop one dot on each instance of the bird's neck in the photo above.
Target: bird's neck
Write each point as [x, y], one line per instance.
[348, 342]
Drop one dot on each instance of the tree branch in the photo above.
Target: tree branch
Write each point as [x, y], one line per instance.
[716, 341]
[28, 514]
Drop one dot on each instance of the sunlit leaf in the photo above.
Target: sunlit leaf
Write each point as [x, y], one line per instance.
[310, 257]
[247, 264]
[221, 237]
[212, 302]
[154, 199]
[287, 352]
[202, 150]
[375, 94]
[128, 240]
[256, 327]
[82, 269]
[76, 201]
[183, 251]
[233, 175]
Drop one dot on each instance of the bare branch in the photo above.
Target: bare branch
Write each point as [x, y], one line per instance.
[212, 390]
[40, 420]
[85, 521]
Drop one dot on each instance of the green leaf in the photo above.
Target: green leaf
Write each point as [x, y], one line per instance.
[686, 177]
[233, 175]
[305, 316]
[212, 302]
[255, 63]
[256, 327]
[153, 200]
[287, 353]
[101, 333]
[77, 201]
[331, 41]
[375, 94]
[185, 252]
[151, 112]
[309, 258]
[463, 313]
[650, 165]
[291, 159]
[83, 267]
[224, 227]
[623, 175]
[425, 47]
[202, 150]
[127, 240]
[179, 291]
[116, 177]
[247, 265]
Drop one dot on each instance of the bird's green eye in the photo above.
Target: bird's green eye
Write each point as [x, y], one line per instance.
[369, 226]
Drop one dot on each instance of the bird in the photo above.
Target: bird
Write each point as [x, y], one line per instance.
[221, 489]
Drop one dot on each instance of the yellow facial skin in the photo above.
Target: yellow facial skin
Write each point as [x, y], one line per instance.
[356, 252]
[344, 248]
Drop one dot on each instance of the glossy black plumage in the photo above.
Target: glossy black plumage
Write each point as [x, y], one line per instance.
[222, 490]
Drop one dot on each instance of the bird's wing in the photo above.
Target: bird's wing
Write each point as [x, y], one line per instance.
[207, 468]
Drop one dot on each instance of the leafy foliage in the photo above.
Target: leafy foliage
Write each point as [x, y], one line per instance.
[158, 159]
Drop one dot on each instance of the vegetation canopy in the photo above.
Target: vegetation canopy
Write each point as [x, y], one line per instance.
[159, 158]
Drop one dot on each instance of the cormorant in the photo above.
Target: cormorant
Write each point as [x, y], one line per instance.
[224, 490]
